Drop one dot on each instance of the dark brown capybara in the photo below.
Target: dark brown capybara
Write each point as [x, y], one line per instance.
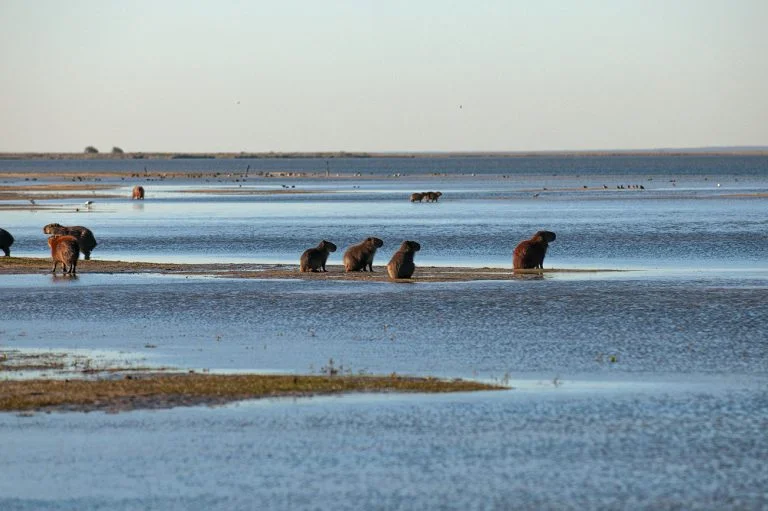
[65, 250]
[432, 196]
[83, 234]
[529, 254]
[313, 259]
[417, 197]
[360, 257]
[137, 193]
[6, 240]
[401, 265]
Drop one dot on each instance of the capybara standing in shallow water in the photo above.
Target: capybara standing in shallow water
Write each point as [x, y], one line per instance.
[83, 234]
[137, 193]
[6, 240]
[432, 196]
[64, 250]
[417, 197]
[360, 257]
[401, 265]
[313, 259]
[529, 254]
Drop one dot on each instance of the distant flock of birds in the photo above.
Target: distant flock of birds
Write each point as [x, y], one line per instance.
[67, 242]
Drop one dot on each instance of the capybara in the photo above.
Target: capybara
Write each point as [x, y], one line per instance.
[401, 265]
[313, 259]
[432, 196]
[83, 234]
[65, 250]
[529, 254]
[137, 193]
[6, 240]
[360, 257]
[417, 197]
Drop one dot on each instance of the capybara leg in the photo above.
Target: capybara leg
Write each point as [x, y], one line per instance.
[87, 255]
[7, 252]
[55, 263]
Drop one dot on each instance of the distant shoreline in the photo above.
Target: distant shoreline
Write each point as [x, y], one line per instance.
[714, 151]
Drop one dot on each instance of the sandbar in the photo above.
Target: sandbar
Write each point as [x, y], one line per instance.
[34, 265]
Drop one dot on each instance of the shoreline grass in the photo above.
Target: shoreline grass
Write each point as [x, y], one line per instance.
[151, 390]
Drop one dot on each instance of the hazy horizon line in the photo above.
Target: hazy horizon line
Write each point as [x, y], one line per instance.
[736, 149]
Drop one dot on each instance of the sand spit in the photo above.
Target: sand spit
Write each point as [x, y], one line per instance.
[33, 265]
[118, 388]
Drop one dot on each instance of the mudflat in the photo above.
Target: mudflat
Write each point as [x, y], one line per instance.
[32, 265]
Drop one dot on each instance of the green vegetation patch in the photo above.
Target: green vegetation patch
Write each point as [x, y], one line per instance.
[152, 390]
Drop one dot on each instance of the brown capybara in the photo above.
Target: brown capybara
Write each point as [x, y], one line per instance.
[313, 259]
[401, 265]
[529, 254]
[432, 196]
[137, 193]
[83, 234]
[360, 257]
[6, 240]
[417, 197]
[65, 250]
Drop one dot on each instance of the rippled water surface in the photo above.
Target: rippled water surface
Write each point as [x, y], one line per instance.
[633, 389]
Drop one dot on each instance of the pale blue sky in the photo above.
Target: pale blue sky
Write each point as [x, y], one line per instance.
[295, 75]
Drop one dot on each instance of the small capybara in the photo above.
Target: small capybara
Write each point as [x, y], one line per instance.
[432, 196]
[83, 234]
[417, 197]
[529, 254]
[6, 240]
[65, 250]
[360, 257]
[401, 265]
[137, 193]
[313, 259]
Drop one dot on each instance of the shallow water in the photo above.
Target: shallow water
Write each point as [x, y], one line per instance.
[556, 326]
[640, 389]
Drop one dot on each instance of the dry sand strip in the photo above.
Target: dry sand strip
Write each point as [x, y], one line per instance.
[152, 390]
[34, 265]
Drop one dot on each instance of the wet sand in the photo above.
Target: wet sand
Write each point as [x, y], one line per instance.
[33, 265]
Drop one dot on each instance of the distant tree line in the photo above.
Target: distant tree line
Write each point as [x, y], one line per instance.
[92, 150]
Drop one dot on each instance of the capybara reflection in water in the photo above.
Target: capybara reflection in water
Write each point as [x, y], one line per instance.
[401, 265]
[417, 197]
[529, 254]
[137, 193]
[313, 259]
[360, 257]
[432, 196]
[83, 234]
[6, 240]
[65, 250]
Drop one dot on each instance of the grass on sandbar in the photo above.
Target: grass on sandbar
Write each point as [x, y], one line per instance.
[150, 390]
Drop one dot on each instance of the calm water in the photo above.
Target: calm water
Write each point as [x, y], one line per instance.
[632, 166]
[642, 389]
